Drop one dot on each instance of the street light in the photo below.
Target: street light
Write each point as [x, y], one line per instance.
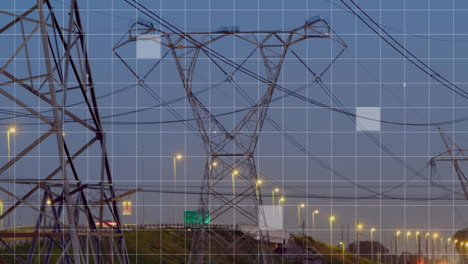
[397, 235]
[446, 249]
[233, 175]
[281, 201]
[299, 207]
[332, 218]
[342, 250]
[314, 213]
[418, 241]
[408, 234]
[454, 247]
[427, 245]
[275, 190]
[259, 182]
[48, 203]
[10, 131]
[1, 211]
[213, 164]
[372, 242]
[174, 161]
[433, 244]
[358, 229]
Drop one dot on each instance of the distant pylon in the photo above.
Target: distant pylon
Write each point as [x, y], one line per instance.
[47, 71]
[454, 154]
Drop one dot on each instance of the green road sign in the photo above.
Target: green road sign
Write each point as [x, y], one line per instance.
[196, 218]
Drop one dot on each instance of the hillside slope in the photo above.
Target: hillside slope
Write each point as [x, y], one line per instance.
[172, 246]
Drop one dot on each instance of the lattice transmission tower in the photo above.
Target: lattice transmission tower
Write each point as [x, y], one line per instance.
[454, 155]
[61, 157]
[230, 142]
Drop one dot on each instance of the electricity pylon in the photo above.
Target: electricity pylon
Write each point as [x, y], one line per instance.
[454, 154]
[230, 151]
[47, 71]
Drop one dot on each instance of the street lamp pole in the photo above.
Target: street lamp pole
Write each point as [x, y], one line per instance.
[433, 245]
[461, 250]
[11, 130]
[358, 229]
[427, 245]
[281, 201]
[314, 213]
[275, 190]
[258, 184]
[233, 175]
[418, 239]
[213, 165]
[372, 243]
[174, 162]
[48, 203]
[446, 249]
[342, 251]
[331, 218]
[408, 234]
[397, 234]
[1, 213]
[299, 207]
[454, 245]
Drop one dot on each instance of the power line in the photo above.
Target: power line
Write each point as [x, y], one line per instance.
[424, 68]
[310, 196]
[215, 54]
[423, 36]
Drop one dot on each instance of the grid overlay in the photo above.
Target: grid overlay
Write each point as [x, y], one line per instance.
[408, 65]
